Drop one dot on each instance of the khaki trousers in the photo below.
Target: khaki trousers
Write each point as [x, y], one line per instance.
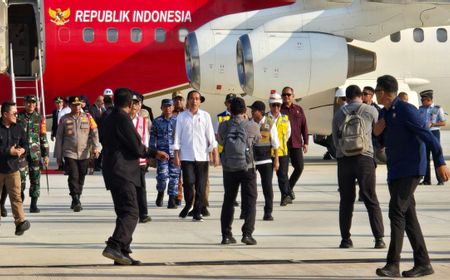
[12, 183]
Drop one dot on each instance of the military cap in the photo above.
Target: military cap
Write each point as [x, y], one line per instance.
[176, 94]
[167, 102]
[30, 98]
[74, 100]
[259, 106]
[58, 99]
[427, 93]
[230, 97]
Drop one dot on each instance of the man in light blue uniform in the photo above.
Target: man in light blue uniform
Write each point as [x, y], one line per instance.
[162, 138]
[434, 117]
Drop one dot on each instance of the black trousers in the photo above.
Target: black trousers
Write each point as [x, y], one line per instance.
[195, 175]
[361, 168]
[126, 208]
[266, 173]
[427, 177]
[296, 156]
[77, 170]
[141, 193]
[3, 197]
[282, 174]
[249, 194]
[402, 213]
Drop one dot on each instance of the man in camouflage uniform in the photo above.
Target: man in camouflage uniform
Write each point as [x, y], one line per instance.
[37, 147]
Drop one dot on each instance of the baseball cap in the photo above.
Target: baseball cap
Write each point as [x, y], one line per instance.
[340, 92]
[230, 97]
[166, 102]
[176, 94]
[258, 105]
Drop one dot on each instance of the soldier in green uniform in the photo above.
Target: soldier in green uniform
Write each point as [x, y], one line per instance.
[37, 148]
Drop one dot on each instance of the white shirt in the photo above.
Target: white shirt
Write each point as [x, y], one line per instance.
[194, 136]
[274, 141]
[63, 111]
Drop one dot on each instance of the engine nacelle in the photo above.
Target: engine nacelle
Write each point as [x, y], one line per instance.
[307, 62]
[210, 60]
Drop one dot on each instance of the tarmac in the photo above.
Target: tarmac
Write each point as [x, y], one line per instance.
[301, 243]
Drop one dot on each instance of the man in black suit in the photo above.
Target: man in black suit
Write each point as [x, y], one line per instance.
[96, 111]
[58, 107]
[122, 148]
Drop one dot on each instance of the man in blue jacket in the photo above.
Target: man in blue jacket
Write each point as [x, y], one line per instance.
[406, 136]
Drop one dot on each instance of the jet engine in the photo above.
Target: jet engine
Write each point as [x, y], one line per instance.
[210, 65]
[307, 62]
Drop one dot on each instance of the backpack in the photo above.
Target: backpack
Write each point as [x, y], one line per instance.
[352, 137]
[236, 154]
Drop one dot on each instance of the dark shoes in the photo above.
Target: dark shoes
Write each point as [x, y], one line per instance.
[248, 240]
[346, 243]
[389, 270]
[172, 204]
[76, 203]
[116, 255]
[133, 261]
[205, 212]
[285, 200]
[22, 227]
[198, 218]
[268, 217]
[379, 243]
[184, 212]
[235, 203]
[145, 219]
[4, 211]
[425, 183]
[292, 195]
[440, 183]
[418, 271]
[228, 240]
[33, 206]
[159, 199]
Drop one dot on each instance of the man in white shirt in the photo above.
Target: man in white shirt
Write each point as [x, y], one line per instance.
[194, 146]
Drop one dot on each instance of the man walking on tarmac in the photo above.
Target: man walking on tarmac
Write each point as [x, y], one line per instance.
[36, 147]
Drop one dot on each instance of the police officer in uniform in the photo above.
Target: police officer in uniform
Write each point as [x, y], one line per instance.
[37, 147]
[122, 148]
[434, 117]
[76, 139]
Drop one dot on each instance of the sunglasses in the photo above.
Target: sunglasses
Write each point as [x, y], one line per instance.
[275, 105]
[286, 94]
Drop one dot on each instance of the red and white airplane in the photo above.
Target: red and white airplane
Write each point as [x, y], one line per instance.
[88, 46]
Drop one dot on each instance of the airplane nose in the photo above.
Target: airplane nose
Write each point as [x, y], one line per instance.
[244, 59]
[192, 60]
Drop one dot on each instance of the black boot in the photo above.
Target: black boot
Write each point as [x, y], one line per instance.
[159, 199]
[33, 205]
[172, 204]
[4, 195]
[22, 196]
[77, 204]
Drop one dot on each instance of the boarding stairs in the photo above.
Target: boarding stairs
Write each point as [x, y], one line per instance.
[22, 86]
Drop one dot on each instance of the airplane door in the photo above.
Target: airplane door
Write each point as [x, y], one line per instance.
[3, 36]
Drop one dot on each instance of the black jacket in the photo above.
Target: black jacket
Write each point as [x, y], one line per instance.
[55, 122]
[9, 137]
[122, 148]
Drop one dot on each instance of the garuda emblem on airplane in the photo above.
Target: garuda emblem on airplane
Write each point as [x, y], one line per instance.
[59, 17]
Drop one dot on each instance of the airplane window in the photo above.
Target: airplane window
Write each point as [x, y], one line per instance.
[136, 35]
[160, 35]
[396, 37]
[441, 34]
[88, 35]
[64, 34]
[182, 33]
[418, 35]
[112, 35]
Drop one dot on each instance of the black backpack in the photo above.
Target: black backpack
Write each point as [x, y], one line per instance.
[236, 154]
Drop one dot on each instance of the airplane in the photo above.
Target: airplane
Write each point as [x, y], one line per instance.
[82, 47]
[317, 50]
